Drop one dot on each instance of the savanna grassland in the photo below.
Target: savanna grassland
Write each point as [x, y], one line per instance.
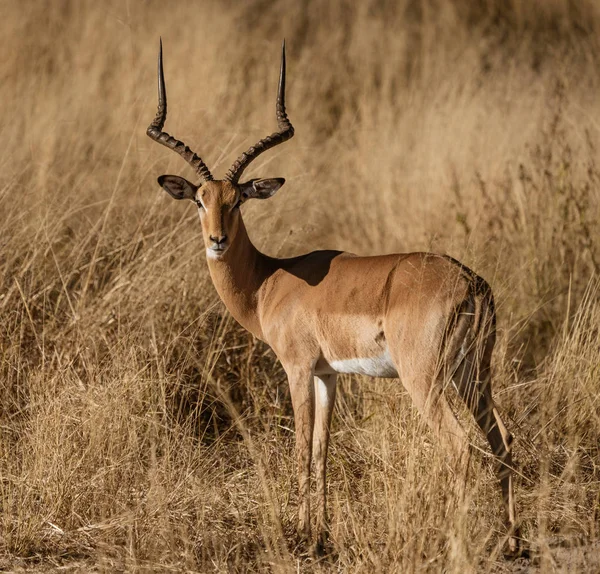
[140, 427]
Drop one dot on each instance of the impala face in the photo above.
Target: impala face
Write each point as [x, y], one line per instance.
[219, 211]
[219, 205]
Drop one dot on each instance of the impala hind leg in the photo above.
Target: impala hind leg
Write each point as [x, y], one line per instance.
[324, 402]
[475, 388]
[500, 440]
[302, 391]
[427, 393]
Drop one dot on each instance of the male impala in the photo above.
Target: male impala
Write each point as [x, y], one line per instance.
[424, 318]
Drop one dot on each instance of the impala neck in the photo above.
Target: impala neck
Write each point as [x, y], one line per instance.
[238, 276]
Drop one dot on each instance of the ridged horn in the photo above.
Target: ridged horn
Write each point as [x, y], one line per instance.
[155, 128]
[286, 131]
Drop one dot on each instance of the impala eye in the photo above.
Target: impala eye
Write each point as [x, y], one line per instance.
[199, 204]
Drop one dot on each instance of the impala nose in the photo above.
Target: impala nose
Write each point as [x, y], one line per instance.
[218, 240]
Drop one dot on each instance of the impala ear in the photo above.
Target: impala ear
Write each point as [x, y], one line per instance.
[177, 187]
[261, 188]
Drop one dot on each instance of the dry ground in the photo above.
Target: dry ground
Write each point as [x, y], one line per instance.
[140, 427]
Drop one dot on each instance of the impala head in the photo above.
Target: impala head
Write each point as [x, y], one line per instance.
[219, 201]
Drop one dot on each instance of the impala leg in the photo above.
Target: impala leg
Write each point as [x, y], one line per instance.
[303, 402]
[325, 386]
[427, 395]
[475, 388]
[500, 440]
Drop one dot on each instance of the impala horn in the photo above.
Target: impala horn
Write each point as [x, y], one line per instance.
[286, 131]
[155, 128]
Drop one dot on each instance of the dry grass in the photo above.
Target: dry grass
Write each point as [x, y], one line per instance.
[140, 427]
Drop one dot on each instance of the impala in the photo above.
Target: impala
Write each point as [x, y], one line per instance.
[424, 318]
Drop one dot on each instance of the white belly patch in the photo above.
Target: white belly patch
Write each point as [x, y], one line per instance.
[378, 366]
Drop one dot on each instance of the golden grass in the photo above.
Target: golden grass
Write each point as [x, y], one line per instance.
[140, 427]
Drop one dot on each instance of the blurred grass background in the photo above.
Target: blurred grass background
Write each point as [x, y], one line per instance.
[140, 427]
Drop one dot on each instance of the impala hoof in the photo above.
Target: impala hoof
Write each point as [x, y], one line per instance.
[324, 552]
[318, 550]
[515, 547]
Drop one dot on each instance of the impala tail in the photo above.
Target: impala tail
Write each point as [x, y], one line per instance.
[469, 342]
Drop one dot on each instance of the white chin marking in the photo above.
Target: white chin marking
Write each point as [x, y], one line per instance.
[212, 254]
[378, 366]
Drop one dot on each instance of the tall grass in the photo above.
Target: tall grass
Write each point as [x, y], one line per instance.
[140, 427]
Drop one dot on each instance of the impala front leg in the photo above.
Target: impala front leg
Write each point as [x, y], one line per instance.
[303, 402]
[324, 402]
